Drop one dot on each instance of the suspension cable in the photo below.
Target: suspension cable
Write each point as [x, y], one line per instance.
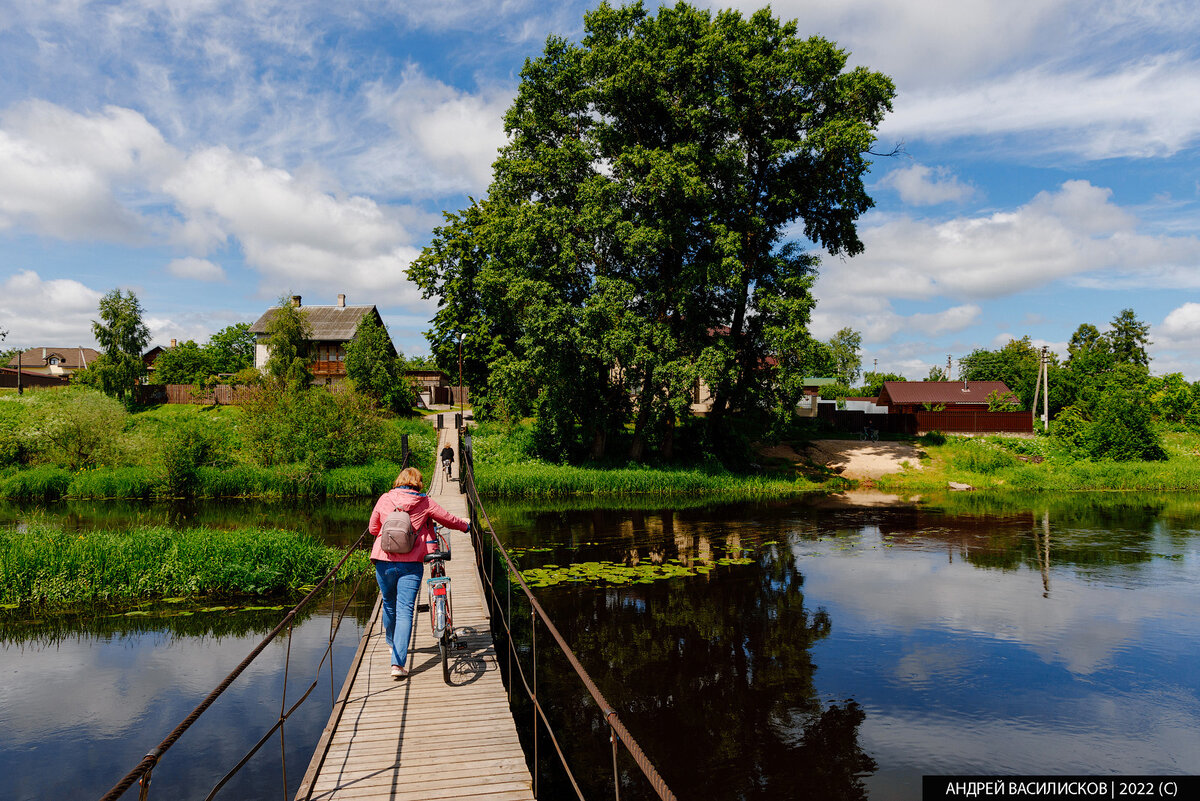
[610, 714]
[148, 762]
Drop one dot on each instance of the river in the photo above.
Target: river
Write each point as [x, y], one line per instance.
[808, 649]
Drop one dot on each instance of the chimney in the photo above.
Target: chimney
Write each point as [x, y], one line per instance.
[341, 301]
[296, 301]
[172, 343]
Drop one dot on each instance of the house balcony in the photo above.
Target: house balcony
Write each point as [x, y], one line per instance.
[328, 368]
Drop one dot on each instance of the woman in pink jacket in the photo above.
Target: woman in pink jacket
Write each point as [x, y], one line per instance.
[399, 574]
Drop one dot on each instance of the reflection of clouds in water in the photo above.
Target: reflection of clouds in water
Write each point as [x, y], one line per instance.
[1081, 626]
[1097, 734]
[112, 687]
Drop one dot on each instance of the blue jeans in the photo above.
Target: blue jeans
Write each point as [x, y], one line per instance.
[398, 584]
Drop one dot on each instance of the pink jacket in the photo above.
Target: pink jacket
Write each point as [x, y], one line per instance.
[421, 509]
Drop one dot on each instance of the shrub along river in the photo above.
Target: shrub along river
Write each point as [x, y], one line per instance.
[809, 649]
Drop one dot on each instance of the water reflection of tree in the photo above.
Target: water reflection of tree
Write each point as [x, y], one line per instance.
[715, 679]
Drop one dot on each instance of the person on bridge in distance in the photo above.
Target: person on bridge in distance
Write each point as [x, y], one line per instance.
[447, 459]
[399, 575]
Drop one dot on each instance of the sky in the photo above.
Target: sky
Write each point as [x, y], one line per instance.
[214, 155]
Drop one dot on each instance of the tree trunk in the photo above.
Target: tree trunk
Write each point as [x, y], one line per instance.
[722, 390]
[637, 448]
[668, 446]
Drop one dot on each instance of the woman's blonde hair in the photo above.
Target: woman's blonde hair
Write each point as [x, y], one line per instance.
[410, 477]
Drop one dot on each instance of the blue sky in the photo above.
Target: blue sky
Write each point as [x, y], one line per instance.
[212, 155]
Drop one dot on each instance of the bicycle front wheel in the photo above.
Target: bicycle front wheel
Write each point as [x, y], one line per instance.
[444, 647]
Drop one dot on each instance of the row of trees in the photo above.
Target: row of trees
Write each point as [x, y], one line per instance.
[1102, 398]
[634, 237]
[374, 368]
[228, 353]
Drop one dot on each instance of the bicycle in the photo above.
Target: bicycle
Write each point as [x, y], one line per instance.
[446, 464]
[441, 609]
[871, 434]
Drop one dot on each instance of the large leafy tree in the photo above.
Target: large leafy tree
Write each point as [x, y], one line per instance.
[289, 337]
[122, 337]
[1129, 339]
[375, 368]
[231, 349]
[186, 363]
[633, 238]
[845, 345]
[1017, 364]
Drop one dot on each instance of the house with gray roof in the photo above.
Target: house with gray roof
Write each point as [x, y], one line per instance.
[332, 327]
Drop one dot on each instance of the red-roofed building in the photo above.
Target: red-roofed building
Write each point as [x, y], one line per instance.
[912, 396]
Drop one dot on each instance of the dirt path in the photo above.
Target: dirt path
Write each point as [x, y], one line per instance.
[863, 460]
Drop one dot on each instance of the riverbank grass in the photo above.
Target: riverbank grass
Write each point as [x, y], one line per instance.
[48, 565]
[1040, 464]
[506, 467]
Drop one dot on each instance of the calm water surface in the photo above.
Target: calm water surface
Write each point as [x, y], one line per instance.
[84, 697]
[859, 649]
[864, 648]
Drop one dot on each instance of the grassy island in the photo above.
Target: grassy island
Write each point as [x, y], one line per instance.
[45, 564]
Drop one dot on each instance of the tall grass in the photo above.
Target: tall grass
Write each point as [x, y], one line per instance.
[45, 564]
[50, 483]
[41, 483]
[546, 480]
[997, 463]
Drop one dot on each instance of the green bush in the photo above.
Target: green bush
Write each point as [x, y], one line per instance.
[186, 448]
[1122, 430]
[322, 427]
[12, 416]
[75, 428]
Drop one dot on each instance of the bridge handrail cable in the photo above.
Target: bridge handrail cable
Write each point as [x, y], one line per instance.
[618, 732]
[142, 771]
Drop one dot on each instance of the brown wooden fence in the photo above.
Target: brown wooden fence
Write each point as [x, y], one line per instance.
[222, 394]
[8, 379]
[969, 421]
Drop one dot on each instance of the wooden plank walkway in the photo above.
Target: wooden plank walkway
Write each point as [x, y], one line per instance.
[421, 738]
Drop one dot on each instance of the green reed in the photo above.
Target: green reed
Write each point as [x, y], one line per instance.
[46, 564]
[547, 480]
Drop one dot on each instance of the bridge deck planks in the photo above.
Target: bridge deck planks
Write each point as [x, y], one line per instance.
[420, 738]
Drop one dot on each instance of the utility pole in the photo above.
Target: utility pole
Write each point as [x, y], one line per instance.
[1042, 386]
[1046, 387]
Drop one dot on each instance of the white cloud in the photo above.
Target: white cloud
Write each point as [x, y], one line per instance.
[920, 185]
[196, 269]
[1070, 232]
[1092, 113]
[445, 139]
[293, 232]
[47, 312]
[1183, 322]
[66, 174]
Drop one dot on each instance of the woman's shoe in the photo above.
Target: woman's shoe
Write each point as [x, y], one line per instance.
[399, 672]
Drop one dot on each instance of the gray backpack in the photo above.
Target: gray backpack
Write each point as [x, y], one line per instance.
[397, 535]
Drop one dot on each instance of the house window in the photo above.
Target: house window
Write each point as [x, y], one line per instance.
[53, 360]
